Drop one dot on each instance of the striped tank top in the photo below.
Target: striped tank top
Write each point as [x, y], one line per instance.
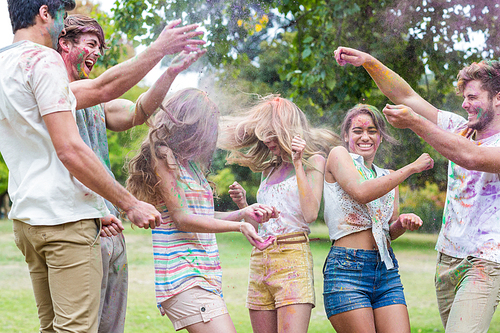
[185, 260]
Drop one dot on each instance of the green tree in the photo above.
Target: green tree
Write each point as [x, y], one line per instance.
[287, 46]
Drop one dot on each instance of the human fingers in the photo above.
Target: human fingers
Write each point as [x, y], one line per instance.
[113, 230]
[173, 24]
[187, 29]
[276, 213]
[265, 244]
[338, 56]
[106, 231]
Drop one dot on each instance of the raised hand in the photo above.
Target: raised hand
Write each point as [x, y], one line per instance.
[238, 194]
[183, 60]
[175, 39]
[410, 221]
[424, 162]
[298, 146]
[346, 55]
[400, 116]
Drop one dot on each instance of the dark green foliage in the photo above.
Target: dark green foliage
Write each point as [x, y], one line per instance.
[287, 46]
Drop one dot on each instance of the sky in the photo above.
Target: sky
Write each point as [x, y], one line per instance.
[189, 79]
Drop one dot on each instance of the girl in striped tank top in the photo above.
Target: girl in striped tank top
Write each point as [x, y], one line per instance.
[169, 172]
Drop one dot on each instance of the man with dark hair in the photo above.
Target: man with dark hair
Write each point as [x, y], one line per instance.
[80, 45]
[55, 180]
[468, 266]
[23, 13]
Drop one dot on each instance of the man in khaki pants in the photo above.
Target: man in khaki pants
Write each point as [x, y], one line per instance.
[55, 180]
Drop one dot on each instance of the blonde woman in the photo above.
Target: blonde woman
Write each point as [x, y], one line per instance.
[274, 138]
[169, 172]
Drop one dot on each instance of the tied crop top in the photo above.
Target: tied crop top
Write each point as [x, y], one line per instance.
[344, 215]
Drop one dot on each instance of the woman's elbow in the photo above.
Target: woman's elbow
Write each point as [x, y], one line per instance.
[311, 217]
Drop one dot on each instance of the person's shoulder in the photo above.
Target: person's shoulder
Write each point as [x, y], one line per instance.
[450, 121]
[338, 150]
[316, 159]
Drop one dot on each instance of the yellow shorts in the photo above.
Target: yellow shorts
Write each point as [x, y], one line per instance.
[282, 274]
[193, 306]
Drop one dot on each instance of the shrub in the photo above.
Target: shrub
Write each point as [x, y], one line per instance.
[427, 202]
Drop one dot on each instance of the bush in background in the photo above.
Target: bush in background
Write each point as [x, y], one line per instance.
[427, 202]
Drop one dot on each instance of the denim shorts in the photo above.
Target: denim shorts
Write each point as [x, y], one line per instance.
[355, 278]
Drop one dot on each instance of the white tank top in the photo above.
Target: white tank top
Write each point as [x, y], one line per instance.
[285, 197]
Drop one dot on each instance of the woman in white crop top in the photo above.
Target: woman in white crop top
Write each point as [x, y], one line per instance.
[362, 287]
[274, 138]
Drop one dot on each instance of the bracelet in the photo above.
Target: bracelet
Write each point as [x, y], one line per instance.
[241, 223]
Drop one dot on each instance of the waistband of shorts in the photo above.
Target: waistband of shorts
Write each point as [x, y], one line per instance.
[294, 238]
[366, 255]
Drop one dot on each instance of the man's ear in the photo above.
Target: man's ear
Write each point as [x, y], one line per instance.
[64, 44]
[496, 100]
[44, 14]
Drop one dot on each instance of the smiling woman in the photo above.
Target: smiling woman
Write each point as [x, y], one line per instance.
[362, 214]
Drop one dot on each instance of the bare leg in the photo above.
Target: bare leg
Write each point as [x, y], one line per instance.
[264, 321]
[216, 325]
[354, 321]
[294, 318]
[392, 319]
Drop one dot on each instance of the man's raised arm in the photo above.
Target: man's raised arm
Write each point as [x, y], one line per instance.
[454, 147]
[119, 79]
[390, 83]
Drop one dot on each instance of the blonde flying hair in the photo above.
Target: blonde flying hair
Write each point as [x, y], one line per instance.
[188, 127]
[244, 135]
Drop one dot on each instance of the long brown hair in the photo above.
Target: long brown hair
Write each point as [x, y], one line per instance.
[188, 127]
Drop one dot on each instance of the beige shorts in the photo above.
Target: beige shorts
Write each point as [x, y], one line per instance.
[193, 306]
[282, 274]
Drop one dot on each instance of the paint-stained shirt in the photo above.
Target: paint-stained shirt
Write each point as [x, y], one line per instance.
[285, 197]
[91, 124]
[182, 259]
[33, 84]
[345, 216]
[471, 217]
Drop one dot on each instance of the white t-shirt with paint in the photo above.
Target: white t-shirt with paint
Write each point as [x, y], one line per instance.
[34, 83]
[471, 217]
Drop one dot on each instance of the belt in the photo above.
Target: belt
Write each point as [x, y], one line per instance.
[305, 238]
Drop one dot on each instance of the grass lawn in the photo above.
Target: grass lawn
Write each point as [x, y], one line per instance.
[415, 253]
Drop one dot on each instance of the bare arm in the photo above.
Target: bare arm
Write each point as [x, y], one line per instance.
[84, 165]
[175, 199]
[117, 80]
[340, 168]
[122, 114]
[390, 83]
[402, 222]
[454, 147]
[310, 183]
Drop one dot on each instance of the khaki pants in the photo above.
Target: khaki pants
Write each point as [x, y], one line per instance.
[467, 292]
[65, 267]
